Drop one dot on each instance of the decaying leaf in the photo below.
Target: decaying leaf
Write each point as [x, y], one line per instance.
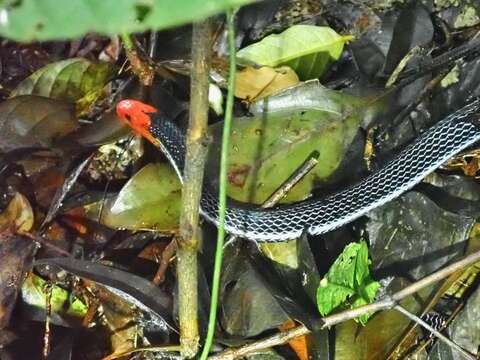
[16, 253]
[18, 216]
[76, 80]
[254, 84]
[266, 148]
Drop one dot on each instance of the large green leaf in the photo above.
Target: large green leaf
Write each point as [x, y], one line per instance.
[73, 80]
[268, 147]
[307, 49]
[53, 19]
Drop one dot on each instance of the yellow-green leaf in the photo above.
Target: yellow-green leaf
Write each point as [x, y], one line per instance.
[34, 294]
[74, 80]
[149, 200]
[307, 49]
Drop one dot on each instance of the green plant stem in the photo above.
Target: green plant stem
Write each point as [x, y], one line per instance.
[223, 186]
[127, 41]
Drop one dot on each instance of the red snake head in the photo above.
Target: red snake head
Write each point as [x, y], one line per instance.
[137, 115]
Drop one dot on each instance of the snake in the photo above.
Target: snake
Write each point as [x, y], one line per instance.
[432, 148]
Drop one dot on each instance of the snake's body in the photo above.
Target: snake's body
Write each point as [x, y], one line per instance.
[451, 135]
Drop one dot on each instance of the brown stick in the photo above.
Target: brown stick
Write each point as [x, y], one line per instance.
[192, 190]
[386, 303]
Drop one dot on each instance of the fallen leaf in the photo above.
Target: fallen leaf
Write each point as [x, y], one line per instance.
[256, 83]
[18, 215]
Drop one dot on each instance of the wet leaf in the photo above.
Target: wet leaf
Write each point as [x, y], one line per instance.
[34, 294]
[16, 253]
[18, 216]
[254, 84]
[348, 278]
[74, 80]
[307, 49]
[137, 290]
[464, 330]
[268, 147]
[439, 236]
[29, 121]
[61, 193]
[413, 28]
[249, 308]
[375, 340]
[31, 20]
[150, 200]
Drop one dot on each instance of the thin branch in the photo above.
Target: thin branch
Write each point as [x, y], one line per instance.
[438, 334]
[293, 180]
[222, 198]
[192, 190]
[384, 304]
[167, 255]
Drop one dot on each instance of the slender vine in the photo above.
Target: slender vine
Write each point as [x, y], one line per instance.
[223, 186]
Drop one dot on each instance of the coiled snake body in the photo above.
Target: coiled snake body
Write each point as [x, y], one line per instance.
[431, 149]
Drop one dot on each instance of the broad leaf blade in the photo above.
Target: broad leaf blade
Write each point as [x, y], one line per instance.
[348, 278]
[307, 49]
[150, 200]
[74, 80]
[51, 19]
[268, 147]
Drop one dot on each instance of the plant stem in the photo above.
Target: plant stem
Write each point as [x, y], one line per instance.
[223, 186]
[192, 189]
[127, 42]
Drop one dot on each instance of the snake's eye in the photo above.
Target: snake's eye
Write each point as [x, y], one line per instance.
[128, 117]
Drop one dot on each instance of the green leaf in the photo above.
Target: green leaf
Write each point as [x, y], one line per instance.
[74, 80]
[331, 296]
[267, 148]
[34, 294]
[348, 280]
[149, 200]
[50, 19]
[307, 49]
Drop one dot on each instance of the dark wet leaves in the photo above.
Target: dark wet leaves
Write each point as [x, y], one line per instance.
[17, 254]
[142, 292]
[29, 121]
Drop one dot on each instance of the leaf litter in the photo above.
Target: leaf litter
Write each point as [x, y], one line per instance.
[57, 110]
